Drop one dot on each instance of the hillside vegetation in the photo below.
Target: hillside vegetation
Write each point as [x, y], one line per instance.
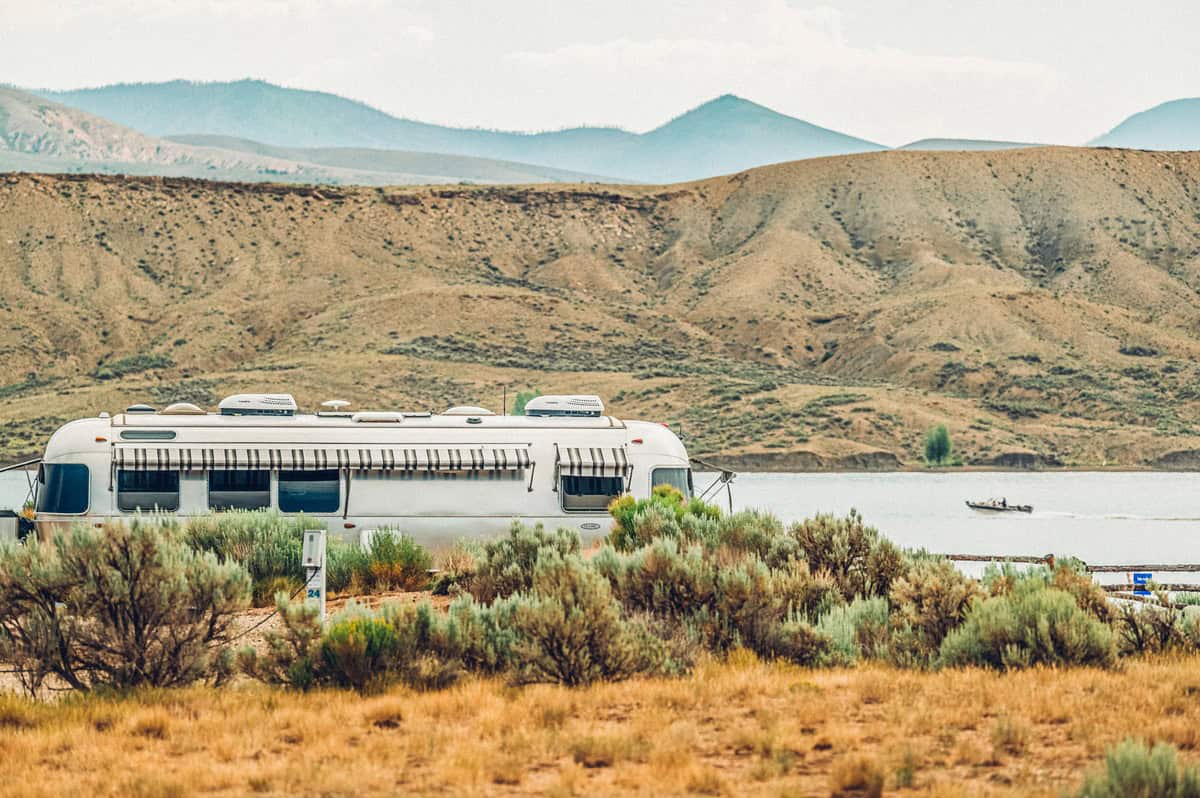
[1040, 302]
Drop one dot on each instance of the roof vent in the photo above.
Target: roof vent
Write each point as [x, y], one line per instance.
[377, 417]
[577, 406]
[182, 409]
[258, 404]
[468, 410]
[139, 409]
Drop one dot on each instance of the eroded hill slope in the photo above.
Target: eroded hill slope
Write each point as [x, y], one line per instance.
[825, 312]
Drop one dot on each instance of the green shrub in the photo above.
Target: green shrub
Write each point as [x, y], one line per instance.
[1071, 576]
[756, 533]
[506, 565]
[523, 398]
[133, 364]
[347, 567]
[481, 638]
[367, 651]
[765, 610]
[938, 447]
[1068, 574]
[638, 522]
[928, 602]
[1134, 770]
[397, 562]
[359, 650]
[1155, 628]
[660, 578]
[268, 545]
[1032, 625]
[858, 630]
[691, 594]
[570, 629]
[860, 560]
[291, 658]
[125, 605]
[796, 641]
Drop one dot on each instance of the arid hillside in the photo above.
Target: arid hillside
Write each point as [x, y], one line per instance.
[823, 313]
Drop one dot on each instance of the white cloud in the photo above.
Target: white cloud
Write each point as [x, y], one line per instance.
[797, 60]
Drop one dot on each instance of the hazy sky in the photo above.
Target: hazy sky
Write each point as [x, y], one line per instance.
[1025, 70]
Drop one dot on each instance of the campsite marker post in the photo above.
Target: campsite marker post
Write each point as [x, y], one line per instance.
[313, 559]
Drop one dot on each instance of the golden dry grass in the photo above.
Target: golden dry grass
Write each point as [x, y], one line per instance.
[737, 728]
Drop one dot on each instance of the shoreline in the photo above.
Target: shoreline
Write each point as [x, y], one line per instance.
[737, 466]
[911, 468]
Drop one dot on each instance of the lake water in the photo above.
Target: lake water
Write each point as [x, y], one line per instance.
[1100, 517]
[1104, 518]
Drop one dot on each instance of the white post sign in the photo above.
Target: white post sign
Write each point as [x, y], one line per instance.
[313, 558]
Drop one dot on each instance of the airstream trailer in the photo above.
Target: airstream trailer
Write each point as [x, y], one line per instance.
[435, 476]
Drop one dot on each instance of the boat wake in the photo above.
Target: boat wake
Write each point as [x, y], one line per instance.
[1117, 517]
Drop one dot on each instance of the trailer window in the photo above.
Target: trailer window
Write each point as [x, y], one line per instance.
[239, 490]
[310, 491]
[64, 488]
[147, 490]
[680, 478]
[590, 493]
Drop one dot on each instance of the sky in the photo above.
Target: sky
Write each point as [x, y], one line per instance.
[890, 71]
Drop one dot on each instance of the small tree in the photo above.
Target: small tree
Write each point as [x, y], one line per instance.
[938, 448]
[120, 606]
[523, 398]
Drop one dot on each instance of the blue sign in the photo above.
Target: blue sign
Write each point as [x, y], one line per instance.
[1140, 580]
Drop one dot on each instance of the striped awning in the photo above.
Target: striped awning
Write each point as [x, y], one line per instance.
[593, 462]
[153, 458]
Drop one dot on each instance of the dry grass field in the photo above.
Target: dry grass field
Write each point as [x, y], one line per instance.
[817, 314]
[738, 728]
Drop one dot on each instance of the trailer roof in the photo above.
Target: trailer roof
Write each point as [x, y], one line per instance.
[347, 420]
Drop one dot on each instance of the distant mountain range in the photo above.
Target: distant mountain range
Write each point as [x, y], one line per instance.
[724, 135]
[38, 135]
[253, 130]
[1171, 126]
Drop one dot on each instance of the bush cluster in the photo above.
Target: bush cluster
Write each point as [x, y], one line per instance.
[566, 627]
[1135, 770]
[117, 607]
[153, 602]
[677, 580]
[269, 545]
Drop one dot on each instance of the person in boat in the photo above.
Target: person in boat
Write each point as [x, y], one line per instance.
[1003, 502]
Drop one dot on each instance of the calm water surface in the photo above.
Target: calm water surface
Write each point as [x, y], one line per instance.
[1101, 517]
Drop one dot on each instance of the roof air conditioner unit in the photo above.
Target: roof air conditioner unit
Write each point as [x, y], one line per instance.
[558, 406]
[258, 404]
